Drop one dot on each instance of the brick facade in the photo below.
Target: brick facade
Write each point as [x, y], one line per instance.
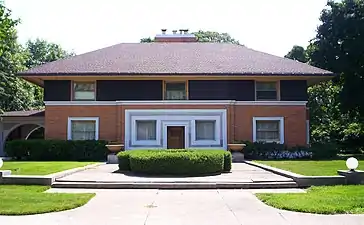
[239, 119]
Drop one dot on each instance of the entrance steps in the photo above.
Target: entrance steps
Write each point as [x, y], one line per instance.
[173, 185]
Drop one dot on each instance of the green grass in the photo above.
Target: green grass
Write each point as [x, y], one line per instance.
[39, 168]
[311, 167]
[27, 200]
[321, 200]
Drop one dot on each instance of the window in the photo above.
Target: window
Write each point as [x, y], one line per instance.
[205, 129]
[83, 128]
[268, 129]
[175, 91]
[146, 130]
[266, 91]
[84, 91]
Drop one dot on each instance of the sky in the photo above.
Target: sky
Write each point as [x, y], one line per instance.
[271, 26]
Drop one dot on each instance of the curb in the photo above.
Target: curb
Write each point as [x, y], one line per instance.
[301, 180]
[46, 180]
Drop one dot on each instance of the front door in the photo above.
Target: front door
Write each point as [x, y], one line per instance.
[175, 137]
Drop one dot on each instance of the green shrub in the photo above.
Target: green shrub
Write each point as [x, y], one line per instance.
[124, 163]
[56, 150]
[227, 161]
[177, 162]
[324, 150]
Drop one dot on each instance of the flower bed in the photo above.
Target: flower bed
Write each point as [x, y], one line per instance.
[175, 162]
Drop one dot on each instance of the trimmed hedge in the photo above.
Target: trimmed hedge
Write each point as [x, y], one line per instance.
[56, 150]
[227, 161]
[175, 162]
[124, 163]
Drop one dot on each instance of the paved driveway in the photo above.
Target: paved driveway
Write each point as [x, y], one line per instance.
[177, 207]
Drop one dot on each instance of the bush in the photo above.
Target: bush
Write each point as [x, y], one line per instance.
[176, 162]
[124, 163]
[324, 150]
[227, 161]
[56, 150]
[260, 150]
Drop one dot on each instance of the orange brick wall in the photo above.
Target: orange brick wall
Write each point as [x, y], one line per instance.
[294, 121]
[56, 120]
[239, 119]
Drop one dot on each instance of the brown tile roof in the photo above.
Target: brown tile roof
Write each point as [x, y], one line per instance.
[176, 59]
[23, 113]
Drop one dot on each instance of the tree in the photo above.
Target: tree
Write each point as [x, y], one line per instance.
[14, 92]
[205, 36]
[297, 53]
[213, 36]
[338, 47]
[146, 40]
[41, 52]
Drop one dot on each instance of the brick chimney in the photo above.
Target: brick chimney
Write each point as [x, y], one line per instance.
[182, 36]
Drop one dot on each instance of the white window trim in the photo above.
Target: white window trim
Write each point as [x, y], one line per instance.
[69, 125]
[216, 141]
[164, 116]
[281, 127]
[134, 140]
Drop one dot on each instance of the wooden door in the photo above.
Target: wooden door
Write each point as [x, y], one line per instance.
[175, 137]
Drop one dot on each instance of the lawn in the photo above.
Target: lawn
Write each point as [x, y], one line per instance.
[311, 167]
[27, 200]
[322, 200]
[39, 168]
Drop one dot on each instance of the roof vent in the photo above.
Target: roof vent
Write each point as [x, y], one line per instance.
[174, 31]
[164, 31]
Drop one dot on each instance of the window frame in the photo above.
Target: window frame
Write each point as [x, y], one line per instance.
[73, 92]
[144, 143]
[216, 141]
[136, 130]
[177, 81]
[214, 123]
[69, 125]
[281, 127]
[277, 85]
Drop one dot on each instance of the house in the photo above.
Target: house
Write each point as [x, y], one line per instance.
[177, 93]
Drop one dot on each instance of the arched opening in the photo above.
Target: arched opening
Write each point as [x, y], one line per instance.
[26, 131]
[36, 133]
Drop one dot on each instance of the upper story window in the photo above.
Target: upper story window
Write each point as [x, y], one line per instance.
[266, 91]
[175, 91]
[84, 91]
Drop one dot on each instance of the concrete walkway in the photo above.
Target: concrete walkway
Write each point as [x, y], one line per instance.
[241, 172]
[178, 207]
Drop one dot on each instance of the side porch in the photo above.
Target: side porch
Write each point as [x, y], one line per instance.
[21, 125]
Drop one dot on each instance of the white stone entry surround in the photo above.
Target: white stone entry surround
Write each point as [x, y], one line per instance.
[176, 117]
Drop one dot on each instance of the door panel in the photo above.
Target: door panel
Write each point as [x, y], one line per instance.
[175, 137]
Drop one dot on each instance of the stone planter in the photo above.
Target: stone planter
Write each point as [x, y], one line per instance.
[236, 147]
[114, 147]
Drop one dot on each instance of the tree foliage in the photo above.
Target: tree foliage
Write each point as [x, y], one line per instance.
[16, 93]
[297, 53]
[213, 36]
[338, 47]
[337, 106]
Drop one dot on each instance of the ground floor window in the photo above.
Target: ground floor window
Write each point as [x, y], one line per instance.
[268, 129]
[205, 129]
[146, 130]
[83, 128]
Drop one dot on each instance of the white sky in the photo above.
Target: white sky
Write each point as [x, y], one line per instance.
[271, 26]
